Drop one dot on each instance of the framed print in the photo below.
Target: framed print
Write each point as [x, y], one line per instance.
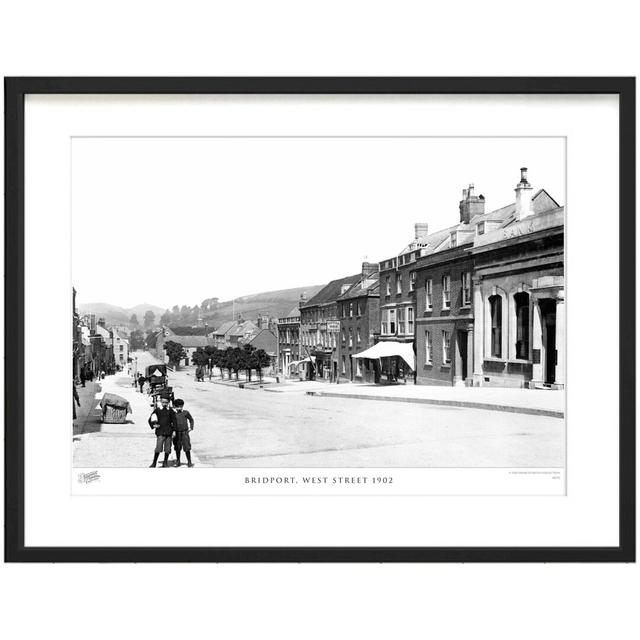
[320, 319]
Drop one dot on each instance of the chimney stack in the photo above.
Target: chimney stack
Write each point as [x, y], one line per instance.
[470, 205]
[524, 192]
[369, 269]
[303, 299]
[421, 229]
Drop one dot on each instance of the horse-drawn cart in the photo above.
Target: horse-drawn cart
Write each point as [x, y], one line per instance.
[156, 375]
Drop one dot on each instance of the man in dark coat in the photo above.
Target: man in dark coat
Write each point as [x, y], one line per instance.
[163, 420]
[141, 381]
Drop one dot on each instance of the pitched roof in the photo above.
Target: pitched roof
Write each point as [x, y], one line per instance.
[331, 291]
[368, 285]
[224, 328]
[437, 241]
[243, 328]
[294, 313]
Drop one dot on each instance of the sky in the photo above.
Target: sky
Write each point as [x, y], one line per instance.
[177, 220]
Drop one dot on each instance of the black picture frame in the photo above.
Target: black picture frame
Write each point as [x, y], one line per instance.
[15, 91]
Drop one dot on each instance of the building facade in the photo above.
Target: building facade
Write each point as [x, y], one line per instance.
[358, 309]
[289, 350]
[398, 305]
[490, 295]
[519, 306]
[320, 328]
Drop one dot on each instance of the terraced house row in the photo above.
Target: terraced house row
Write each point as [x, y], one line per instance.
[478, 303]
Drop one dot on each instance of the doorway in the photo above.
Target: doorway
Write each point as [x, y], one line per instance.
[462, 350]
[548, 312]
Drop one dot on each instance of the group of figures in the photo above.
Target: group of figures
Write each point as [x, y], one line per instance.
[172, 426]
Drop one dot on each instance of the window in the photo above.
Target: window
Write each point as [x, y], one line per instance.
[359, 309]
[392, 321]
[410, 320]
[358, 367]
[350, 337]
[446, 292]
[480, 228]
[412, 281]
[446, 347]
[121, 347]
[428, 348]
[398, 284]
[351, 309]
[344, 310]
[522, 325]
[466, 288]
[388, 284]
[384, 324]
[344, 336]
[428, 295]
[495, 303]
[401, 327]
[344, 365]
[358, 336]
[452, 239]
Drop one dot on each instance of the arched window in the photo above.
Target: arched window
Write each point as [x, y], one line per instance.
[496, 326]
[522, 325]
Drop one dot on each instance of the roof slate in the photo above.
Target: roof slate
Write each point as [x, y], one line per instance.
[331, 291]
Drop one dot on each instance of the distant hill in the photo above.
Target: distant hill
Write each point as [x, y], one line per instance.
[275, 304]
[118, 315]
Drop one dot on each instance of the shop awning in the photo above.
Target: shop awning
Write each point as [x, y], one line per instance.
[389, 349]
[295, 362]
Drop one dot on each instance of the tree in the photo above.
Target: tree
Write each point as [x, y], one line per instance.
[248, 360]
[235, 361]
[261, 360]
[175, 352]
[149, 319]
[133, 321]
[200, 358]
[165, 318]
[136, 340]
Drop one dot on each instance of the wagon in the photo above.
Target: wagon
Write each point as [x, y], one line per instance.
[156, 375]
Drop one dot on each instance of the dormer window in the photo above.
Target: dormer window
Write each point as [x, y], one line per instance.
[452, 239]
[480, 228]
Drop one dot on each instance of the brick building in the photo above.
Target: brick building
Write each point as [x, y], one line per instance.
[490, 295]
[398, 306]
[320, 328]
[289, 349]
[358, 309]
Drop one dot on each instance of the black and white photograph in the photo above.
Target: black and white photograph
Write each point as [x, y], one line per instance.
[318, 302]
[358, 317]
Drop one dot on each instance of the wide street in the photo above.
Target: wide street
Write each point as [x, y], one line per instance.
[257, 428]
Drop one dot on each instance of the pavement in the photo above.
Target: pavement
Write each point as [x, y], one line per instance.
[115, 445]
[543, 402]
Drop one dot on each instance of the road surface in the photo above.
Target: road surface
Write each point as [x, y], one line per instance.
[255, 428]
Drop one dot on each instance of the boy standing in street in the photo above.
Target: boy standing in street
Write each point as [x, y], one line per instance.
[184, 424]
[163, 420]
